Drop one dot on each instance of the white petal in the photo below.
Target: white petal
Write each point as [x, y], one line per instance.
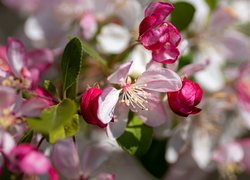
[156, 114]
[121, 74]
[113, 39]
[160, 80]
[140, 57]
[66, 159]
[107, 102]
[202, 148]
[116, 128]
[16, 55]
[94, 156]
[6, 142]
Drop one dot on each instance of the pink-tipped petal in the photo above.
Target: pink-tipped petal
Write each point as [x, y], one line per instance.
[40, 59]
[160, 80]
[155, 37]
[166, 54]
[7, 96]
[159, 9]
[107, 102]
[116, 128]
[66, 159]
[16, 56]
[156, 115]
[121, 74]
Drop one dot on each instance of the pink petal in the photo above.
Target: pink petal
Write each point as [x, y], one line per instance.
[66, 159]
[160, 80]
[104, 176]
[107, 102]
[159, 9]
[147, 23]
[191, 69]
[4, 59]
[8, 97]
[155, 38]
[40, 59]
[34, 163]
[166, 54]
[174, 34]
[89, 25]
[121, 74]
[7, 143]
[16, 56]
[116, 128]
[32, 107]
[94, 156]
[155, 115]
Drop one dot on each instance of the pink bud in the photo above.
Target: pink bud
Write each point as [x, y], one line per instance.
[24, 158]
[89, 106]
[183, 102]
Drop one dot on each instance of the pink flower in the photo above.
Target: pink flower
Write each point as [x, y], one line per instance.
[24, 68]
[183, 102]
[67, 161]
[158, 35]
[140, 96]
[89, 106]
[236, 154]
[24, 158]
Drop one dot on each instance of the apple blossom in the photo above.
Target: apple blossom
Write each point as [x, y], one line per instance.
[89, 106]
[24, 68]
[183, 102]
[158, 35]
[140, 96]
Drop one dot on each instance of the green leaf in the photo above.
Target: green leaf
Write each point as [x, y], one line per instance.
[212, 4]
[27, 137]
[72, 127]
[244, 28]
[49, 86]
[53, 117]
[71, 65]
[92, 53]
[137, 137]
[182, 15]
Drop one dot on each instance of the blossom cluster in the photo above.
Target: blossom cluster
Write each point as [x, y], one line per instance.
[124, 89]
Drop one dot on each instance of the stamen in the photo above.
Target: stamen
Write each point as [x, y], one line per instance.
[134, 96]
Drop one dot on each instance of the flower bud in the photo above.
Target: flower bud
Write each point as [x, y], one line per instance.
[89, 106]
[183, 102]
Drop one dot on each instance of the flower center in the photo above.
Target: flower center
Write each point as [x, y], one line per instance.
[6, 119]
[134, 96]
[16, 82]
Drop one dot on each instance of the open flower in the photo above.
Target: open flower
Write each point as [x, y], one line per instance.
[22, 69]
[183, 102]
[89, 106]
[158, 35]
[20, 158]
[141, 96]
